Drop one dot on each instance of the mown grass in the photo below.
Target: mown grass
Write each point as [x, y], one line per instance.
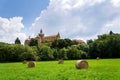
[103, 69]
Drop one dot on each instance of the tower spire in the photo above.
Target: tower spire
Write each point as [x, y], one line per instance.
[58, 35]
[41, 34]
[41, 31]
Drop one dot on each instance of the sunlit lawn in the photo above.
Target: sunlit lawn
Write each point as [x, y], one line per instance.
[103, 69]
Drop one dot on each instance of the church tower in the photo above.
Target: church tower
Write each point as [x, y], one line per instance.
[58, 35]
[41, 34]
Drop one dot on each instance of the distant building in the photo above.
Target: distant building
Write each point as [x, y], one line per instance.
[78, 41]
[27, 41]
[43, 39]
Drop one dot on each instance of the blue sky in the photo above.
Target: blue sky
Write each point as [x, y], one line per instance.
[74, 19]
[28, 9]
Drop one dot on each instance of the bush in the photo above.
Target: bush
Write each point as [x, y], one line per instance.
[27, 56]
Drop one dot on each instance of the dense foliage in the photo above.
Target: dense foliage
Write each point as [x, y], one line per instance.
[106, 46]
[33, 42]
[17, 52]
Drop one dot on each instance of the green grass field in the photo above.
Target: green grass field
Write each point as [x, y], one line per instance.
[103, 69]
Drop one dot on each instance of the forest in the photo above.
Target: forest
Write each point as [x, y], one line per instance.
[105, 46]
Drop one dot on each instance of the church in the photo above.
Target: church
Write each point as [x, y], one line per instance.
[43, 39]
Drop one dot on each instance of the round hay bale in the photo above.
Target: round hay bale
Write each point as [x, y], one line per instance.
[24, 62]
[60, 62]
[81, 64]
[97, 58]
[31, 64]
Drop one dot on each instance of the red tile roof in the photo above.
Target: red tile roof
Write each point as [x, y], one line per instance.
[52, 36]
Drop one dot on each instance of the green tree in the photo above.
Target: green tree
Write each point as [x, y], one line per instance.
[106, 46]
[45, 52]
[33, 42]
[63, 53]
[111, 33]
[84, 47]
[55, 53]
[28, 54]
[16, 52]
[17, 41]
[73, 53]
[61, 43]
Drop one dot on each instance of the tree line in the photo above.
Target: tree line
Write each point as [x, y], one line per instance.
[106, 46]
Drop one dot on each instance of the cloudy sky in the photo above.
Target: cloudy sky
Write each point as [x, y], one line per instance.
[74, 19]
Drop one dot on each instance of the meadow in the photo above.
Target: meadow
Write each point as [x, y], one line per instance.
[103, 69]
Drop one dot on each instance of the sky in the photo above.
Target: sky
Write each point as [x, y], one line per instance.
[74, 19]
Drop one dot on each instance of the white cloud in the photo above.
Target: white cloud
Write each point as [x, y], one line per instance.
[116, 3]
[77, 18]
[113, 25]
[10, 29]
